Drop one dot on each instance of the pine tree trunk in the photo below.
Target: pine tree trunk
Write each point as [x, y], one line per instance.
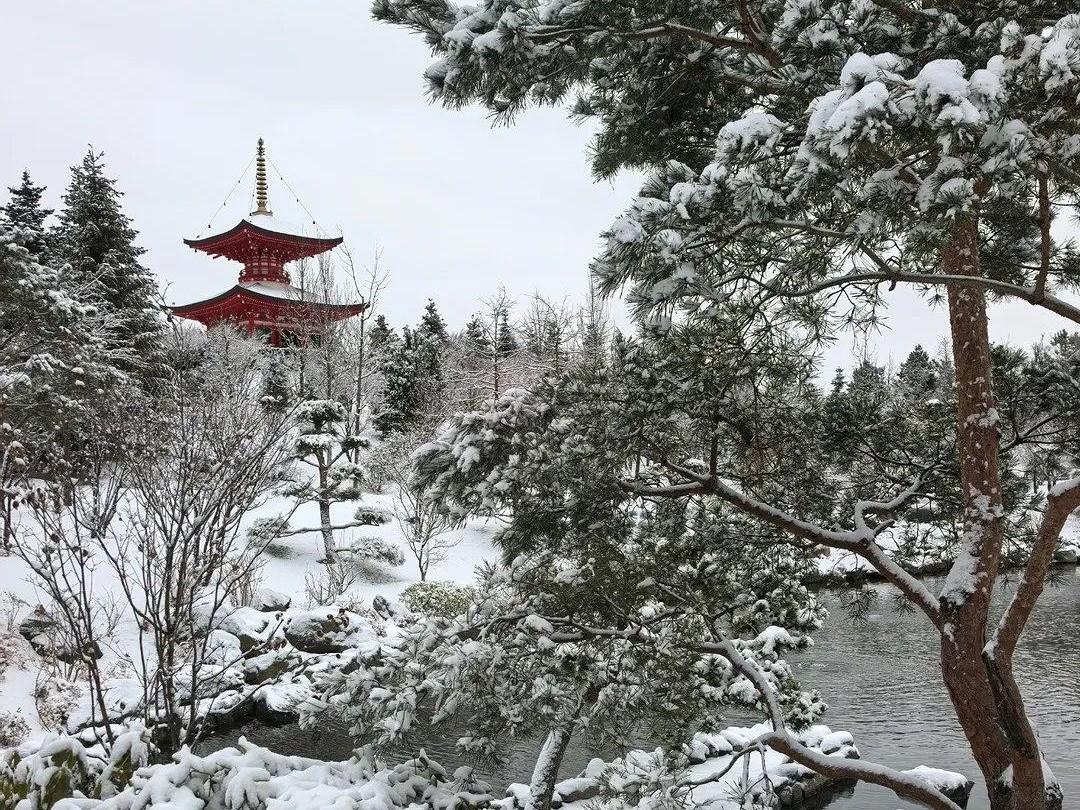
[981, 706]
[546, 772]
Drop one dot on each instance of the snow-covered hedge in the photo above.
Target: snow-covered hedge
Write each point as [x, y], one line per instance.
[438, 598]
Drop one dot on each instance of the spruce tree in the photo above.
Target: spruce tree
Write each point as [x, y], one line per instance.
[429, 386]
[476, 341]
[54, 375]
[381, 335]
[398, 366]
[96, 239]
[432, 326]
[917, 378]
[277, 393]
[25, 211]
[506, 342]
[836, 423]
[431, 339]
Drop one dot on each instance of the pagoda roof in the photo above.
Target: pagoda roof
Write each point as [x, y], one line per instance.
[266, 230]
[280, 299]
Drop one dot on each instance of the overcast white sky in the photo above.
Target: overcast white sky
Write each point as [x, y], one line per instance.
[176, 94]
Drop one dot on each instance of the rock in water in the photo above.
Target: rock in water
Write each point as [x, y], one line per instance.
[954, 785]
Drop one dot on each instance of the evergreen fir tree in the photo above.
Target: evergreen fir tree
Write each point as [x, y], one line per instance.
[946, 373]
[554, 343]
[432, 326]
[917, 378]
[431, 339]
[96, 238]
[55, 374]
[399, 371]
[381, 335]
[506, 342]
[276, 387]
[24, 210]
[476, 340]
[594, 332]
[836, 423]
[430, 342]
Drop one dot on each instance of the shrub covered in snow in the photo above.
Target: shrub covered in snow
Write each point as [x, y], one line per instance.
[63, 768]
[438, 598]
[13, 729]
[243, 778]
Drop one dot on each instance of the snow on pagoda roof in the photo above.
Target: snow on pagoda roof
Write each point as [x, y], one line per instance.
[279, 297]
[268, 222]
[286, 292]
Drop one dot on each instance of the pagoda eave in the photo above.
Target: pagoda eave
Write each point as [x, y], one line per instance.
[242, 305]
[245, 238]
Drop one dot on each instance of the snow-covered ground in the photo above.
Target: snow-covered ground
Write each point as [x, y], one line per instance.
[295, 557]
[288, 563]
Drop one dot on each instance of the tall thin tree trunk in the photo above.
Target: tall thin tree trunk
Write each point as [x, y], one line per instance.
[326, 527]
[359, 384]
[966, 595]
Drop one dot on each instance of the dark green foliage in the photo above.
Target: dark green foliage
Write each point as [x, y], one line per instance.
[412, 371]
[476, 341]
[277, 393]
[24, 210]
[381, 335]
[56, 372]
[506, 343]
[96, 238]
[581, 543]
[432, 326]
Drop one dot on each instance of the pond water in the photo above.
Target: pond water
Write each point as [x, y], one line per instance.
[882, 683]
[881, 680]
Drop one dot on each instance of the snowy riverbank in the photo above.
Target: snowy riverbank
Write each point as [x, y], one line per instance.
[68, 776]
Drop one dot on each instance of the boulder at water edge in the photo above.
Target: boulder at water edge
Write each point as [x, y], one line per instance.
[331, 630]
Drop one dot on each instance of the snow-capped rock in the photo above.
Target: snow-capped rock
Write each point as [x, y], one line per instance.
[329, 630]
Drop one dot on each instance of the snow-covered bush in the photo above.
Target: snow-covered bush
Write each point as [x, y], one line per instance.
[13, 729]
[57, 770]
[246, 777]
[55, 697]
[443, 599]
[62, 768]
[14, 652]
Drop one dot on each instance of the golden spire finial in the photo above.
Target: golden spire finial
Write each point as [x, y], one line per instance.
[262, 205]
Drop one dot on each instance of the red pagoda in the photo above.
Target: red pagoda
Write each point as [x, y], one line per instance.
[264, 301]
